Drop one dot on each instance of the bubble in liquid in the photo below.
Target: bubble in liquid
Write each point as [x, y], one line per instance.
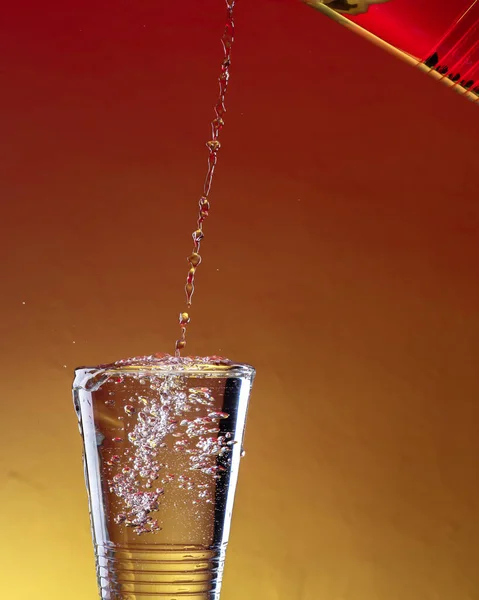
[130, 410]
[117, 439]
[191, 275]
[218, 124]
[164, 414]
[204, 205]
[219, 415]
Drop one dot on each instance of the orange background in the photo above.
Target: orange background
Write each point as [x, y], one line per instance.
[340, 259]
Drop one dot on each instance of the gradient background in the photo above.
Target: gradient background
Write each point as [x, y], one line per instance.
[340, 259]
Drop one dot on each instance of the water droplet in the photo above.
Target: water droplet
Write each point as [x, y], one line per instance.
[243, 453]
[224, 77]
[198, 235]
[194, 259]
[213, 145]
[220, 109]
[180, 344]
[130, 410]
[184, 318]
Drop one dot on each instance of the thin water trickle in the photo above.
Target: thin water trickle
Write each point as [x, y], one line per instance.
[214, 147]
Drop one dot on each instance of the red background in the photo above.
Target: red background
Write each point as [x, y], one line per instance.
[340, 259]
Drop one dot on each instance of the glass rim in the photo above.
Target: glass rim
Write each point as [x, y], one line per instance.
[219, 369]
[208, 367]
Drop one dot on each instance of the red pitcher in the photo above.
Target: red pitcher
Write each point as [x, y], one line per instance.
[438, 36]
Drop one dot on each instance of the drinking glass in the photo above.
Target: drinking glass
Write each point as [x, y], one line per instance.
[163, 439]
